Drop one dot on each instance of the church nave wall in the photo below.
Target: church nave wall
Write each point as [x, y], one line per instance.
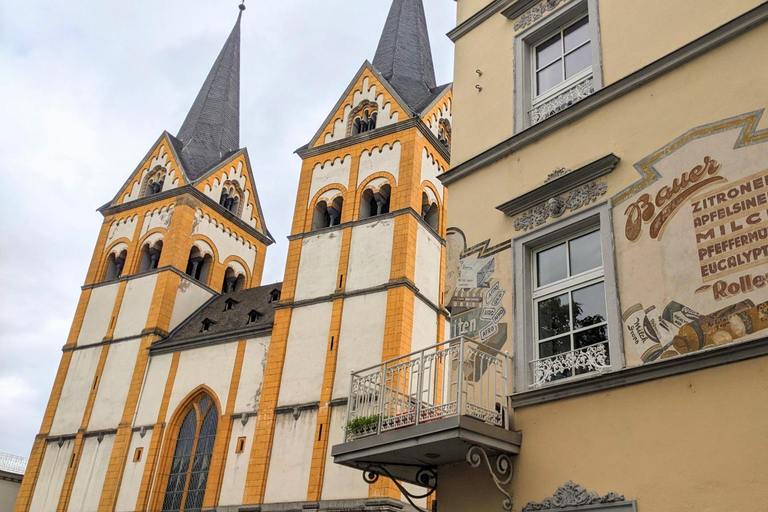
[340, 482]
[75, 392]
[252, 375]
[52, 473]
[291, 459]
[235, 473]
[133, 472]
[91, 471]
[114, 385]
[151, 396]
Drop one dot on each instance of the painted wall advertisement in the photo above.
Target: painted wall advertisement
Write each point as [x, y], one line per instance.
[692, 243]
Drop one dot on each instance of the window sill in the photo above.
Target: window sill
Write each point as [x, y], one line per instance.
[701, 360]
[559, 101]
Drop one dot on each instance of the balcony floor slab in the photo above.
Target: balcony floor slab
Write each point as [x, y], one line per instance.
[436, 443]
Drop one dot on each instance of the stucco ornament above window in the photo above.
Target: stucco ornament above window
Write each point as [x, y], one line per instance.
[557, 206]
[536, 13]
[572, 495]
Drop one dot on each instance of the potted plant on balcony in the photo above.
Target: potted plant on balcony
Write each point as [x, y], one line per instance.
[362, 426]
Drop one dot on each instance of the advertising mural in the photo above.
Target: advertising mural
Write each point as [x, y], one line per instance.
[692, 242]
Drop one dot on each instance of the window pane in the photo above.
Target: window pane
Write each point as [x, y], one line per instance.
[578, 61]
[589, 306]
[576, 34]
[590, 337]
[549, 77]
[551, 265]
[548, 52]
[586, 253]
[554, 347]
[554, 316]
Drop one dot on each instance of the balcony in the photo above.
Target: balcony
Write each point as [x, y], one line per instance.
[441, 405]
[13, 464]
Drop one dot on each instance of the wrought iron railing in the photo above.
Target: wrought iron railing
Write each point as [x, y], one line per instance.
[13, 463]
[594, 358]
[457, 377]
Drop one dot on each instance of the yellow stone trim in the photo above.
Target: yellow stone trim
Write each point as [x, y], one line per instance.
[165, 143]
[443, 102]
[69, 478]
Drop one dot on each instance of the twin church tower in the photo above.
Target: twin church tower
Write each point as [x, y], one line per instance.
[186, 385]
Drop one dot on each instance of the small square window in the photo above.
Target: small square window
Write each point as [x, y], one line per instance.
[137, 454]
[240, 446]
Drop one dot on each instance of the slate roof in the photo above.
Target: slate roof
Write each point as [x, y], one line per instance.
[404, 55]
[222, 321]
[211, 130]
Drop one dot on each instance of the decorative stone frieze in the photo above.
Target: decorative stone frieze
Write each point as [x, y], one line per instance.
[534, 14]
[572, 495]
[562, 101]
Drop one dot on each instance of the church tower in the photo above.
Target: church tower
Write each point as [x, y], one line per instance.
[364, 274]
[186, 226]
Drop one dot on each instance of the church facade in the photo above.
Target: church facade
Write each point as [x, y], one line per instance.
[186, 384]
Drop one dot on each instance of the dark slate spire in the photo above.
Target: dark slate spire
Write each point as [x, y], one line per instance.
[212, 127]
[404, 56]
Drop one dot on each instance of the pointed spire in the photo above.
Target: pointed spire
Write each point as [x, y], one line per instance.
[212, 127]
[404, 56]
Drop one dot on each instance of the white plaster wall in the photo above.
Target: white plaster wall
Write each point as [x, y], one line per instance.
[424, 326]
[430, 169]
[380, 159]
[427, 274]
[370, 255]
[157, 218]
[368, 92]
[133, 473]
[134, 309]
[340, 482]
[94, 461]
[98, 314]
[171, 180]
[114, 385]
[8, 493]
[291, 459]
[252, 376]
[51, 478]
[318, 265]
[327, 173]
[305, 354]
[74, 395]
[236, 470]
[189, 297]
[152, 389]
[211, 366]
[226, 242]
[123, 228]
[361, 339]
[239, 175]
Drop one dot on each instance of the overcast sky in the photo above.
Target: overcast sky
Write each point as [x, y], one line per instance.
[87, 86]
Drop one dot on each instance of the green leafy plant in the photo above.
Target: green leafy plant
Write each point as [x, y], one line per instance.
[361, 424]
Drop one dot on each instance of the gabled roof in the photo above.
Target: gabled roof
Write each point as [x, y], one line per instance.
[211, 130]
[223, 322]
[404, 55]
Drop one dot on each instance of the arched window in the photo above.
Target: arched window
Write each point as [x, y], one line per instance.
[230, 198]
[375, 203]
[327, 215]
[429, 211]
[198, 265]
[372, 121]
[356, 126]
[192, 457]
[233, 282]
[115, 264]
[154, 182]
[363, 118]
[444, 132]
[150, 256]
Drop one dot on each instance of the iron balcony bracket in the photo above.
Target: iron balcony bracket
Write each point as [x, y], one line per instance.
[501, 474]
[426, 477]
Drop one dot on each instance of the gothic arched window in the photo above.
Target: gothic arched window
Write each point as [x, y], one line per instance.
[192, 457]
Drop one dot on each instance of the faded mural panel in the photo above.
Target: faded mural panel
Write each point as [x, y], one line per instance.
[477, 291]
[692, 242]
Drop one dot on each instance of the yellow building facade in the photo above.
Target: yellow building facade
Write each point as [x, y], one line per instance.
[608, 177]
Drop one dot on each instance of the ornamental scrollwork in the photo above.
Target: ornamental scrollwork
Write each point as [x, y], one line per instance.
[534, 14]
[557, 206]
[501, 474]
[562, 101]
[591, 358]
[425, 477]
[557, 173]
[572, 495]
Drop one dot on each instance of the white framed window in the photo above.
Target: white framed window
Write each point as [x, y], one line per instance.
[566, 301]
[557, 62]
